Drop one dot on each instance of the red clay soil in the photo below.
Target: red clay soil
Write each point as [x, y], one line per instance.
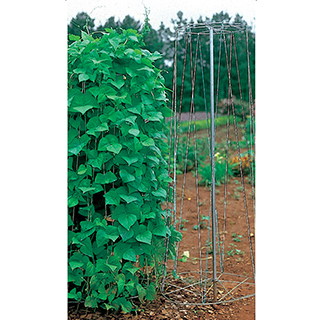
[238, 263]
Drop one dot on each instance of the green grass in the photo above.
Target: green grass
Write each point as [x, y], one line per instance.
[202, 124]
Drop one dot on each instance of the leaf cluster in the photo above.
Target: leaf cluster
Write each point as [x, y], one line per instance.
[220, 168]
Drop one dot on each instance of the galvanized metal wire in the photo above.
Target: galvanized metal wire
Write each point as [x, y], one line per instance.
[228, 284]
[217, 27]
[201, 287]
[238, 150]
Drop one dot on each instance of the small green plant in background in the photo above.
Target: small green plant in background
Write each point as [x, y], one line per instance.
[220, 171]
[247, 162]
[236, 237]
[237, 192]
[185, 256]
[233, 250]
[203, 223]
[235, 195]
[183, 221]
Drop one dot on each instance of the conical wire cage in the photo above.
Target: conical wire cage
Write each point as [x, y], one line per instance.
[214, 262]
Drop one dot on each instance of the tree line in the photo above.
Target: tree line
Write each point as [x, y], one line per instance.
[198, 53]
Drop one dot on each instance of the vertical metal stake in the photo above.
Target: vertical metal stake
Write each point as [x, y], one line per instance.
[213, 186]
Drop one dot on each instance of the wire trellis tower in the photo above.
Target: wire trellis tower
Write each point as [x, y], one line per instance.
[208, 279]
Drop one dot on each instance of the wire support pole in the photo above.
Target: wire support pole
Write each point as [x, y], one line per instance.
[213, 191]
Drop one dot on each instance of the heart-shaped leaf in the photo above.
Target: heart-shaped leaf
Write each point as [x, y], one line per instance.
[112, 198]
[114, 42]
[145, 237]
[154, 159]
[105, 234]
[106, 178]
[147, 142]
[86, 189]
[118, 83]
[75, 295]
[76, 145]
[130, 159]
[126, 176]
[160, 230]
[127, 220]
[130, 255]
[126, 306]
[82, 169]
[112, 232]
[103, 127]
[83, 102]
[135, 110]
[115, 148]
[141, 292]
[96, 159]
[125, 234]
[151, 292]
[107, 141]
[87, 247]
[128, 199]
[75, 264]
[134, 132]
[72, 202]
[121, 281]
[91, 301]
[90, 269]
[131, 120]
[112, 267]
[129, 267]
[160, 193]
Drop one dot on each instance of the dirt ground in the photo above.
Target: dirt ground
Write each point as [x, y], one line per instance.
[238, 262]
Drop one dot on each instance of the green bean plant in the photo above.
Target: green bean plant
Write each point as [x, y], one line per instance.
[117, 174]
[220, 171]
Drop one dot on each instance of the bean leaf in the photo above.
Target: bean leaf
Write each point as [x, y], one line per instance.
[127, 220]
[145, 237]
[130, 255]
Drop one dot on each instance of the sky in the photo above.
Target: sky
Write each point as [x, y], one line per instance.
[163, 10]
